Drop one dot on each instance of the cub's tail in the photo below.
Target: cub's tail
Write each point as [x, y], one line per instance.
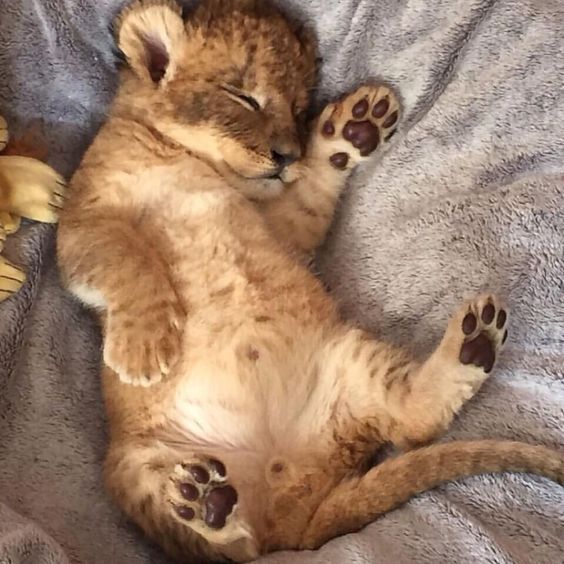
[356, 502]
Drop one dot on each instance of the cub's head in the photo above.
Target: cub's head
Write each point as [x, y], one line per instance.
[230, 81]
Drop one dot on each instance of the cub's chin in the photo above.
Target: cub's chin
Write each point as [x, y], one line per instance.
[264, 189]
[259, 188]
[271, 187]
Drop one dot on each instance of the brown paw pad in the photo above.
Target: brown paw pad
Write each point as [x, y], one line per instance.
[218, 505]
[328, 129]
[363, 135]
[479, 352]
[189, 492]
[339, 160]
[380, 108]
[185, 512]
[360, 108]
[200, 474]
[488, 314]
[469, 323]
[501, 319]
[391, 119]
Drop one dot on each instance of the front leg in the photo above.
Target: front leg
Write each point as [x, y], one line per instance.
[121, 272]
[346, 133]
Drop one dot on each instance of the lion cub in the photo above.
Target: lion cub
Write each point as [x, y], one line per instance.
[243, 410]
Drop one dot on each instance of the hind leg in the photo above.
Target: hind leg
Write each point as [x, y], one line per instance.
[186, 503]
[407, 402]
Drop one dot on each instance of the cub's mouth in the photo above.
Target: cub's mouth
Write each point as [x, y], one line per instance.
[274, 176]
[277, 173]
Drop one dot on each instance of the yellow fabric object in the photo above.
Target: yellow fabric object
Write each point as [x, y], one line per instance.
[28, 188]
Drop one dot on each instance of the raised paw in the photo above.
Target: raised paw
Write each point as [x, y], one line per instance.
[482, 324]
[143, 340]
[352, 128]
[11, 279]
[200, 493]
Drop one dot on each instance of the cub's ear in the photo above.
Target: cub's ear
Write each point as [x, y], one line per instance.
[151, 36]
[308, 39]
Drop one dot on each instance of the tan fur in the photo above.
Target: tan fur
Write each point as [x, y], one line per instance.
[194, 259]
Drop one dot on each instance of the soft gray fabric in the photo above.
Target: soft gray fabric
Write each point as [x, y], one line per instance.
[470, 195]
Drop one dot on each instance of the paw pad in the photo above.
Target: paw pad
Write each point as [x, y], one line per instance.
[391, 119]
[355, 126]
[479, 352]
[363, 136]
[200, 492]
[360, 108]
[380, 108]
[328, 129]
[219, 505]
[339, 160]
[483, 337]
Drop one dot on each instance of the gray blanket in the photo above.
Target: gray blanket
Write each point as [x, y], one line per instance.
[470, 195]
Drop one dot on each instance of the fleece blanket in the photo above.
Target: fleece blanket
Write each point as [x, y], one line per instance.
[469, 196]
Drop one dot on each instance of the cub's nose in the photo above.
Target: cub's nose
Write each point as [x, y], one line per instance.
[284, 159]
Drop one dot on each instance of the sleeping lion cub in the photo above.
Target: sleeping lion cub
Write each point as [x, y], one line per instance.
[243, 410]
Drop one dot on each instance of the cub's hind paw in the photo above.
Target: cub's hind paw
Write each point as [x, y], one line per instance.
[477, 333]
[484, 328]
[200, 494]
[351, 129]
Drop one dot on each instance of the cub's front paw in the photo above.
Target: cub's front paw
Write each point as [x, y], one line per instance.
[351, 129]
[143, 340]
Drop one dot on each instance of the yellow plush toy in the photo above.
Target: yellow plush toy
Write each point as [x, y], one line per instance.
[28, 188]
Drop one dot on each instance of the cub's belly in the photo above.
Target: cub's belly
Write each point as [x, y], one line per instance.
[243, 385]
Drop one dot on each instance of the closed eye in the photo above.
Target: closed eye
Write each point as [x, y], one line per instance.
[241, 98]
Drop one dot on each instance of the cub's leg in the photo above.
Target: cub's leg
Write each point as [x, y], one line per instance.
[346, 133]
[119, 270]
[185, 503]
[410, 403]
